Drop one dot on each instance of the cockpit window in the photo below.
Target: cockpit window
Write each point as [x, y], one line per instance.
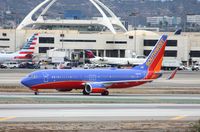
[32, 76]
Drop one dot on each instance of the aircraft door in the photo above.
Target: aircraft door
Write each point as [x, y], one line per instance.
[45, 75]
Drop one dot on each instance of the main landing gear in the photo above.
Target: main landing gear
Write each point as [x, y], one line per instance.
[105, 93]
[85, 93]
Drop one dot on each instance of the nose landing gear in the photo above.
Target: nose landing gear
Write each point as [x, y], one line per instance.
[36, 92]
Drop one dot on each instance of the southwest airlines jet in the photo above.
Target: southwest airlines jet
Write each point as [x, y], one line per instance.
[114, 60]
[99, 80]
[26, 53]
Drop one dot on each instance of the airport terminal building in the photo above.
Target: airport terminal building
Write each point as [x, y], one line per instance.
[105, 35]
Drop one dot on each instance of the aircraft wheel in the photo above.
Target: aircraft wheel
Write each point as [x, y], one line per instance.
[85, 93]
[36, 93]
[105, 93]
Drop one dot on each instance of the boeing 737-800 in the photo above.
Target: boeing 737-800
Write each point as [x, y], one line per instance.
[25, 54]
[99, 80]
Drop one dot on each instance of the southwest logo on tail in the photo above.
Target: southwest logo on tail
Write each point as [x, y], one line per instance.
[153, 62]
[99, 80]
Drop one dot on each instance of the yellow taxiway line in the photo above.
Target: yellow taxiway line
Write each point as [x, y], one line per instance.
[6, 118]
[178, 118]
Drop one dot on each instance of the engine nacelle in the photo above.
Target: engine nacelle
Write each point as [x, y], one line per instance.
[64, 90]
[94, 88]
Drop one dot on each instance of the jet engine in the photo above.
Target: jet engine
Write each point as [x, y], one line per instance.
[95, 88]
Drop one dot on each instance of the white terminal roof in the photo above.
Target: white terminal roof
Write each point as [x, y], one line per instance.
[105, 20]
[142, 33]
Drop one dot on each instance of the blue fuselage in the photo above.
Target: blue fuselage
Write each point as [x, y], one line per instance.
[88, 75]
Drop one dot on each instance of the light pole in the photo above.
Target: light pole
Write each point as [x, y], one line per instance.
[15, 28]
[62, 27]
[134, 14]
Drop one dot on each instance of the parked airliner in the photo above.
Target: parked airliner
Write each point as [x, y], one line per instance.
[99, 80]
[25, 54]
[114, 60]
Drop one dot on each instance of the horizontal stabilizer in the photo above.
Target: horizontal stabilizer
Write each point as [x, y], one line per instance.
[173, 74]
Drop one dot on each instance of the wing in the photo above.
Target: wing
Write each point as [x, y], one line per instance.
[104, 84]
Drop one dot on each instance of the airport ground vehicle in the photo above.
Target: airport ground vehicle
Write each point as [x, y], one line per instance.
[10, 64]
[30, 65]
[170, 64]
[64, 65]
[100, 80]
[89, 66]
[196, 67]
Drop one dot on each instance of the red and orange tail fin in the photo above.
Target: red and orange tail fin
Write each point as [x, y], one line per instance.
[154, 60]
[89, 54]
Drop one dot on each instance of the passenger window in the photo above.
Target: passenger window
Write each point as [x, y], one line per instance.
[4, 34]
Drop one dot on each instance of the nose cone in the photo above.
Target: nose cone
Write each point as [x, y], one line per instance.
[24, 82]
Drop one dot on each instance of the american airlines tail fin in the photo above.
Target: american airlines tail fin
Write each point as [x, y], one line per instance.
[28, 48]
[154, 60]
[89, 54]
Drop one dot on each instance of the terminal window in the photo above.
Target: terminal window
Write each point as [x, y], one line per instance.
[4, 34]
[147, 52]
[76, 40]
[168, 53]
[116, 42]
[131, 37]
[4, 39]
[44, 49]
[194, 53]
[4, 47]
[62, 35]
[46, 40]
[171, 43]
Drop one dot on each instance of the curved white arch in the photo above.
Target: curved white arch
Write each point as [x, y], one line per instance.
[28, 19]
[108, 22]
[117, 21]
[45, 10]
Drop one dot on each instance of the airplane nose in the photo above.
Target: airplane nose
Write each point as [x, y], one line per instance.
[24, 82]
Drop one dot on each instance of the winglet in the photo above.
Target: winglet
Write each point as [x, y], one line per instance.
[172, 74]
[178, 32]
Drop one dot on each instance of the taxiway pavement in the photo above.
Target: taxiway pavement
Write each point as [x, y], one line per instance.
[97, 112]
[62, 98]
